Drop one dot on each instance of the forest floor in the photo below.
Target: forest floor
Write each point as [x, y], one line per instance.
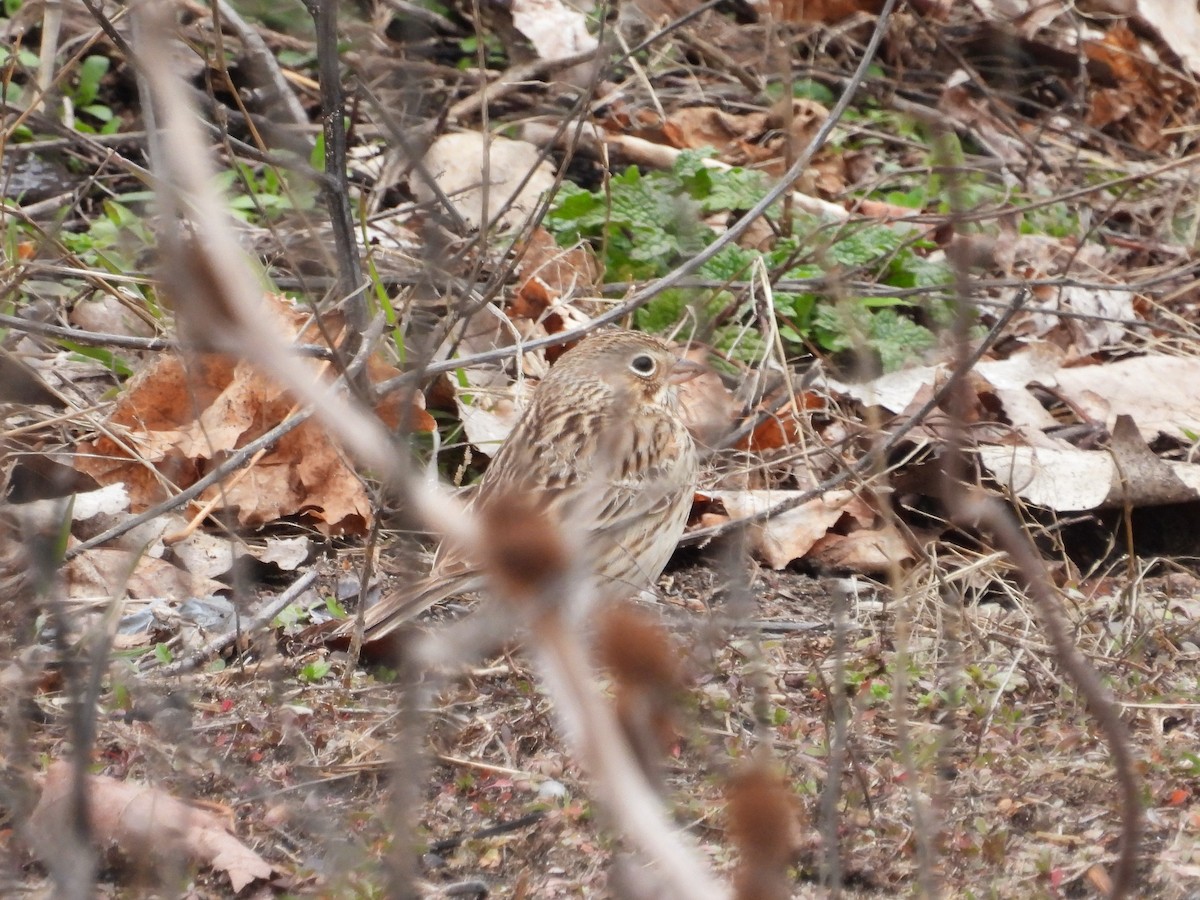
[1028, 179]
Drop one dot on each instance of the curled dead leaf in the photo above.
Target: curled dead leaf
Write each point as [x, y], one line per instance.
[793, 534]
[143, 824]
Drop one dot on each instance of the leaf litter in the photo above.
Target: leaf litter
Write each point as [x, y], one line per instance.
[1006, 754]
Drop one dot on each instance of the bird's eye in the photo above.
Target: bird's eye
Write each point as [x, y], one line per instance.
[643, 365]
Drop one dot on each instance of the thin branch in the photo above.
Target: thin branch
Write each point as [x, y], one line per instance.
[336, 187]
[261, 620]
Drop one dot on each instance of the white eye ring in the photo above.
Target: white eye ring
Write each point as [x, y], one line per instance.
[643, 365]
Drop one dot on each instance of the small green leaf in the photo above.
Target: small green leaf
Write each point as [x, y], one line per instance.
[121, 698]
[806, 89]
[106, 358]
[98, 111]
[315, 671]
[91, 71]
[289, 616]
[317, 157]
[26, 58]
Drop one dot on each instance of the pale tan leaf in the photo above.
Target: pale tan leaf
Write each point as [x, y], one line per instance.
[1160, 393]
[866, 550]
[790, 535]
[555, 30]
[456, 162]
[101, 573]
[144, 824]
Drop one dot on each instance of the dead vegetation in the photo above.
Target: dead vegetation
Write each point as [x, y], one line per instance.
[933, 629]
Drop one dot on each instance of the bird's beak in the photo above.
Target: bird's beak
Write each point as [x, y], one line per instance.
[685, 370]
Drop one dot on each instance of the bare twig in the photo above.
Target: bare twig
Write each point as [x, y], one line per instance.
[336, 188]
[261, 620]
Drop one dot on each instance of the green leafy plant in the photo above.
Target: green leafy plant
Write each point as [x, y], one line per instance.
[314, 671]
[644, 225]
[493, 49]
[263, 194]
[106, 358]
[290, 616]
[84, 94]
[25, 57]
[115, 240]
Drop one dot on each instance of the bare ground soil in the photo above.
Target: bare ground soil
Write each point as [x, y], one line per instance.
[1012, 789]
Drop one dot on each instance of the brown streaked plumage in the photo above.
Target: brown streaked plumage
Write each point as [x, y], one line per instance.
[603, 451]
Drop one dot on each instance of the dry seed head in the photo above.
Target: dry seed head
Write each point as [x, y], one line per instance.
[636, 648]
[641, 656]
[524, 552]
[763, 817]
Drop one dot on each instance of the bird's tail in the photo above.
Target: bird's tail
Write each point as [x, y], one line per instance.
[401, 607]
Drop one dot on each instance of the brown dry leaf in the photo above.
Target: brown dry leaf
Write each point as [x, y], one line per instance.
[1040, 257]
[287, 554]
[1050, 472]
[828, 12]
[402, 411]
[1144, 101]
[1178, 24]
[143, 824]
[1027, 17]
[790, 536]
[179, 427]
[210, 555]
[781, 428]
[91, 510]
[1007, 380]
[1160, 393]
[180, 419]
[1155, 396]
[868, 550]
[105, 313]
[707, 407]
[1088, 329]
[549, 275]
[759, 139]
[695, 127]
